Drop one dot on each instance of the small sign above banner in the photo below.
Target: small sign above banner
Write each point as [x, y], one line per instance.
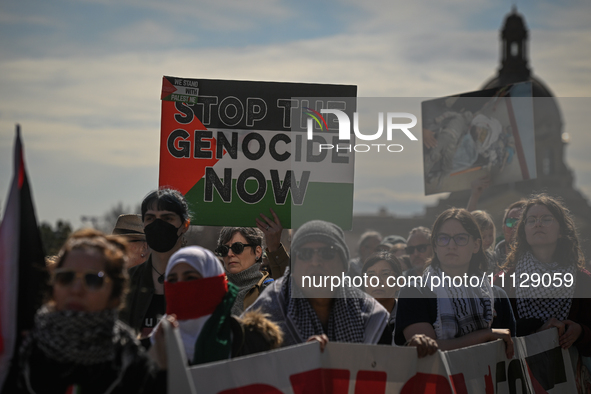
[181, 90]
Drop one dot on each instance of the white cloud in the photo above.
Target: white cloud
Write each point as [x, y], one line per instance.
[147, 33]
[9, 18]
[104, 110]
[229, 15]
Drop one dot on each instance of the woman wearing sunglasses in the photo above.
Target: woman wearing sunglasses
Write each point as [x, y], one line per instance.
[458, 315]
[546, 252]
[199, 295]
[78, 345]
[241, 249]
[304, 311]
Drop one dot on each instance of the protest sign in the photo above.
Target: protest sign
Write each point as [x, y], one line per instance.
[234, 149]
[540, 365]
[471, 135]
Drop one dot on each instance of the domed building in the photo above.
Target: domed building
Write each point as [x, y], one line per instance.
[514, 68]
[553, 175]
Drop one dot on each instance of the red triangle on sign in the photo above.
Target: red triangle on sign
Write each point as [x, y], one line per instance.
[182, 173]
[167, 88]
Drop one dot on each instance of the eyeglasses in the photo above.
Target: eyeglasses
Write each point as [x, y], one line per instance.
[237, 248]
[545, 220]
[422, 248]
[325, 253]
[459, 239]
[511, 222]
[92, 280]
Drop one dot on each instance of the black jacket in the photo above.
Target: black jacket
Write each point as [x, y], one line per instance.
[141, 290]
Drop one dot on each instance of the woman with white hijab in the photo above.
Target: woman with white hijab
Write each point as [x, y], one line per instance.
[198, 293]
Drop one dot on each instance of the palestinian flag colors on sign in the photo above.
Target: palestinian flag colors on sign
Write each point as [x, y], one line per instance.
[238, 148]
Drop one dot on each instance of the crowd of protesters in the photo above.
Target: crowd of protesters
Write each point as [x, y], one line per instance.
[100, 328]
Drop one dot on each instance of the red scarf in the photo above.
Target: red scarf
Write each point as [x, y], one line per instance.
[195, 298]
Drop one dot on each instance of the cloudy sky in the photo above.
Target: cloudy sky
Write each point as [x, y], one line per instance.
[83, 78]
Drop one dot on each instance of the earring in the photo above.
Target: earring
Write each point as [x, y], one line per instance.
[184, 241]
[141, 254]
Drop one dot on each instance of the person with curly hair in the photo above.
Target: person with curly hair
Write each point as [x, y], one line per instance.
[546, 242]
[78, 343]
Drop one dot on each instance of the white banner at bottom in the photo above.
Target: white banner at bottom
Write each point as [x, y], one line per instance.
[539, 366]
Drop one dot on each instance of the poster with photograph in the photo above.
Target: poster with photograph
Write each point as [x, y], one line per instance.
[473, 135]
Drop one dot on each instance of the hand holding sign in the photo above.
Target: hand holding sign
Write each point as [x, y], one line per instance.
[322, 339]
[425, 345]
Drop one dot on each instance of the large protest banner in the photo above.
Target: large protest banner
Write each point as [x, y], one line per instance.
[539, 366]
[476, 134]
[237, 148]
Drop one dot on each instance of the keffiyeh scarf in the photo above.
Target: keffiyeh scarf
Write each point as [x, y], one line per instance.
[84, 338]
[345, 323]
[460, 310]
[543, 302]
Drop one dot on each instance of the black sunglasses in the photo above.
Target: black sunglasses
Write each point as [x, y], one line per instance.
[422, 248]
[325, 253]
[237, 248]
[511, 222]
[92, 280]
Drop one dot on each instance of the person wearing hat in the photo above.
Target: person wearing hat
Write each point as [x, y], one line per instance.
[306, 311]
[368, 242]
[394, 244]
[130, 227]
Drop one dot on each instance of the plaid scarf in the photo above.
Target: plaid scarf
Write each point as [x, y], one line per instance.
[460, 310]
[345, 323]
[85, 338]
[81, 338]
[543, 302]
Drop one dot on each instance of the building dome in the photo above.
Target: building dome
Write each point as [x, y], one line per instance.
[553, 175]
[514, 68]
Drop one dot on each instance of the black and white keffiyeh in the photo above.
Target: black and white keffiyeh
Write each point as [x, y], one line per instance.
[543, 302]
[85, 338]
[460, 309]
[345, 323]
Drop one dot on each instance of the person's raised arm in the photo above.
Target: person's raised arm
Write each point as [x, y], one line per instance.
[276, 253]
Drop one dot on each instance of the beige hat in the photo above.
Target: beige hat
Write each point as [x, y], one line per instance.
[130, 226]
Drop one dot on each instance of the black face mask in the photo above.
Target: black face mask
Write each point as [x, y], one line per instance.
[161, 236]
